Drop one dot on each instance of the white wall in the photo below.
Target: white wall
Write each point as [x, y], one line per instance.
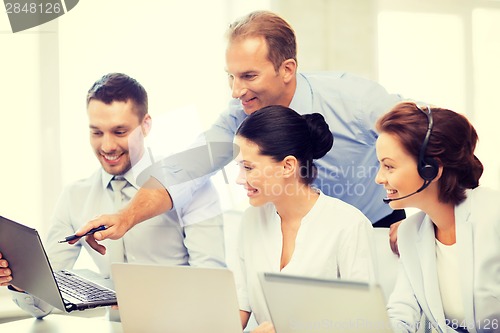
[30, 162]
[174, 48]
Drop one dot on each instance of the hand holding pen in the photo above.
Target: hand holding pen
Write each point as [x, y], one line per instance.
[90, 232]
[116, 226]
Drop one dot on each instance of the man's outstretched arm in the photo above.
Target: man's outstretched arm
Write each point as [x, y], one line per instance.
[171, 180]
[151, 199]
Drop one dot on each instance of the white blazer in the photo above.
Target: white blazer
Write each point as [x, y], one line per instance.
[478, 241]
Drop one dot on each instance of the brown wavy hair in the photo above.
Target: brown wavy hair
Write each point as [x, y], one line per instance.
[452, 143]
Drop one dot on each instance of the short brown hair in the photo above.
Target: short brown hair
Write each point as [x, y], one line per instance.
[120, 87]
[279, 35]
[452, 143]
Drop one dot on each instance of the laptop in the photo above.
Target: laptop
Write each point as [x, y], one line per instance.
[176, 299]
[32, 272]
[300, 304]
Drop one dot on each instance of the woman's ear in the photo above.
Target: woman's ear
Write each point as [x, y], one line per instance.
[290, 165]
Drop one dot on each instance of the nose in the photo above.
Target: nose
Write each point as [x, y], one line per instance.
[380, 178]
[108, 143]
[237, 88]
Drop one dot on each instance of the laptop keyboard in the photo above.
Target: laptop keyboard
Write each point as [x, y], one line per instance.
[81, 289]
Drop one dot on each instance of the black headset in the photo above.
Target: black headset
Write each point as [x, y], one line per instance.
[428, 167]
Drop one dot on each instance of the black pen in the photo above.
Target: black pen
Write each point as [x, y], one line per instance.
[90, 232]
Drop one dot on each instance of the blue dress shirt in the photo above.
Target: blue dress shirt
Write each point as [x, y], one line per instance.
[350, 104]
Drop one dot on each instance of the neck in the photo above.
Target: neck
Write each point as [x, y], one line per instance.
[441, 214]
[443, 218]
[295, 207]
[290, 91]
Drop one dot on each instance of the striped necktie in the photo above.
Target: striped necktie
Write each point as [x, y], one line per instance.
[122, 192]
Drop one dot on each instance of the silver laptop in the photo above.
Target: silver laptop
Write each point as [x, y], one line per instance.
[176, 299]
[299, 305]
[31, 271]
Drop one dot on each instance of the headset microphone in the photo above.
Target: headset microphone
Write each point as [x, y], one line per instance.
[424, 185]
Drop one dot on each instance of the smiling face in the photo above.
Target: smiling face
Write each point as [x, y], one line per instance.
[253, 78]
[398, 172]
[262, 177]
[116, 134]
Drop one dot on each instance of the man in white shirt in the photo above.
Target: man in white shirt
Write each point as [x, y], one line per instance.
[117, 108]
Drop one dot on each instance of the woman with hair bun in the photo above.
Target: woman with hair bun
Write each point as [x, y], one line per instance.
[450, 251]
[292, 227]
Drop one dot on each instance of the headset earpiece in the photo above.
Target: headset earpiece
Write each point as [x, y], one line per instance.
[428, 167]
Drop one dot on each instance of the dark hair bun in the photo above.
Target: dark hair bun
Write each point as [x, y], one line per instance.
[321, 136]
[470, 178]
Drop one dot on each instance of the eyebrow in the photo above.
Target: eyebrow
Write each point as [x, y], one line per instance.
[251, 71]
[114, 128]
[243, 161]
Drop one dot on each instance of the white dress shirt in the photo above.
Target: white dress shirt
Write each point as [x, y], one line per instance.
[160, 240]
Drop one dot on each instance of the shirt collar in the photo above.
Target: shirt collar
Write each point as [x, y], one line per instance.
[302, 99]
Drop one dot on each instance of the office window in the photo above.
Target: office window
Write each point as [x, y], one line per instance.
[486, 48]
[421, 57]
[21, 161]
[445, 53]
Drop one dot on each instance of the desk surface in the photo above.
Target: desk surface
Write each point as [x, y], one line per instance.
[62, 324]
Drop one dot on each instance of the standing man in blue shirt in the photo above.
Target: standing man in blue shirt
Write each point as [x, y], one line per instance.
[261, 64]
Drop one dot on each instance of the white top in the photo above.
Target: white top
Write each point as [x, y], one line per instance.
[449, 286]
[335, 240]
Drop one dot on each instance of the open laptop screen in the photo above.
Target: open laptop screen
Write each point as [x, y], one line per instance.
[181, 299]
[32, 272]
[300, 304]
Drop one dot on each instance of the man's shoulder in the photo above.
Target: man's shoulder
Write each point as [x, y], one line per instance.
[84, 184]
[333, 75]
[323, 74]
[338, 80]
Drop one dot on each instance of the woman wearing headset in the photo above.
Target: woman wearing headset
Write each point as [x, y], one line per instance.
[450, 251]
